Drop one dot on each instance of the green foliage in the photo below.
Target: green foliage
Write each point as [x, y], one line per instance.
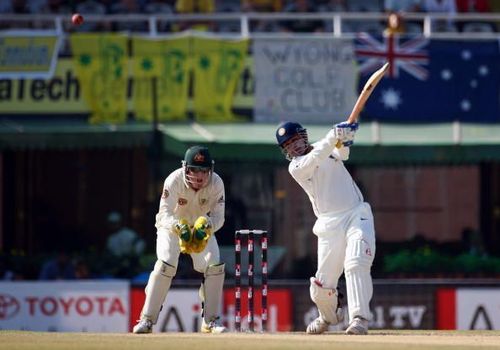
[429, 261]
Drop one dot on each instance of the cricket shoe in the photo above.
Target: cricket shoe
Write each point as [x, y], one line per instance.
[143, 326]
[318, 326]
[358, 326]
[213, 326]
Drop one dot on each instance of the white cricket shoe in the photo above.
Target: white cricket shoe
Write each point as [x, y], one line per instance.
[318, 326]
[358, 326]
[143, 326]
[213, 326]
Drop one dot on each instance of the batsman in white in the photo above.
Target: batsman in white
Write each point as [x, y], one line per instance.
[191, 211]
[344, 225]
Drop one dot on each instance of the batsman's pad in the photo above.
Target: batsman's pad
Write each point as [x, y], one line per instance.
[211, 291]
[326, 301]
[359, 258]
[157, 288]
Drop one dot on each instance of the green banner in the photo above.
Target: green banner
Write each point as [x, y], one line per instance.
[168, 61]
[101, 62]
[217, 67]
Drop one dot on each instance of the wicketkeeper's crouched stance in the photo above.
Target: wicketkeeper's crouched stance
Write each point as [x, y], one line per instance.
[191, 211]
[344, 225]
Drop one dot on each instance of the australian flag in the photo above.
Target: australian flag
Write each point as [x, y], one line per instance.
[431, 80]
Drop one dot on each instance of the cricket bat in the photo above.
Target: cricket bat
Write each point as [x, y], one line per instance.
[365, 94]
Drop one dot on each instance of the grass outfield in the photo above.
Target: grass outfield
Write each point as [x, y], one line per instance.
[386, 340]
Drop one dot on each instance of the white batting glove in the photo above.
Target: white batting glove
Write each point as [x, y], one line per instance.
[345, 132]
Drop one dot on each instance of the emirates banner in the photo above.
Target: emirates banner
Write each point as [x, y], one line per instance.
[311, 80]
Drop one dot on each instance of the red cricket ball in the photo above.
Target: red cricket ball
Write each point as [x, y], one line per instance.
[77, 19]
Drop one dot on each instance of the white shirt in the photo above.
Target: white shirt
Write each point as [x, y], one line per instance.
[323, 176]
[179, 201]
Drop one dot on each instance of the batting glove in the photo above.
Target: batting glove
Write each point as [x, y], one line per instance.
[345, 132]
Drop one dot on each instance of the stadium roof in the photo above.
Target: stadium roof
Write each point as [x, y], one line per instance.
[375, 143]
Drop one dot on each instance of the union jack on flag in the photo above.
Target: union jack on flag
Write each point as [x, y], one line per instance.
[401, 53]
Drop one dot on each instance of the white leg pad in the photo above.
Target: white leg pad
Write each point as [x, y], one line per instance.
[211, 291]
[358, 279]
[326, 301]
[157, 288]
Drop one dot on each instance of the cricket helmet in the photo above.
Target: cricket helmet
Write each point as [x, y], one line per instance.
[198, 166]
[288, 131]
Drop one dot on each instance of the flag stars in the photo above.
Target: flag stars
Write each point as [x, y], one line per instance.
[466, 55]
[391, 99]
[483, 71]
[465, 105]
[473, 83]
[446, 74]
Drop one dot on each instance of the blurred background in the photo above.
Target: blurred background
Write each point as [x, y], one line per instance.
[93, 117]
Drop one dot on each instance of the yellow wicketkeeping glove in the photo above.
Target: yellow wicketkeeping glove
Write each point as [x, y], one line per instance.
[201, 233]
[185, 235]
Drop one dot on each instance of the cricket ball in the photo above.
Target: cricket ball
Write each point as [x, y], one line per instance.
[77, 19]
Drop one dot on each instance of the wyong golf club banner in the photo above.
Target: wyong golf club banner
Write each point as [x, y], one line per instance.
[307, 80]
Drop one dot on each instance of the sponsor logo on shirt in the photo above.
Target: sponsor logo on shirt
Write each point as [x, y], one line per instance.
[221, 200]
[182, 201]
[203, 201]
[165, 194]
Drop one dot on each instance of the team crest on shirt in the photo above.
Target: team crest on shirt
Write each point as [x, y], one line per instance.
[221, 200]
[203, 201]
[182, 201]
[165, 194]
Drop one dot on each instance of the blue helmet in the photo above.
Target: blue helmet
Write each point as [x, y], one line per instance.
[287, 130]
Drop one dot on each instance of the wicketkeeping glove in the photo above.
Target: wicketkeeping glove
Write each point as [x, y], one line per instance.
[185, 235]
[202, 231]
[345, 132]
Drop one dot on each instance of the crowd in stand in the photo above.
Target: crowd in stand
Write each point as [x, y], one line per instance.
[399, 7]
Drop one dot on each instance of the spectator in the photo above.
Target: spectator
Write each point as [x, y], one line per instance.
[474, 6]
[123, 241]
[395, 24]
[302, 25]
[263, 6]
[441, 7]
[195, 7]
[160, 7]
[5, 273]
[58, 268]
[82, 270]
[91, 7]
[402, 5]
[128, 7]
[57, 7]
[332, 6]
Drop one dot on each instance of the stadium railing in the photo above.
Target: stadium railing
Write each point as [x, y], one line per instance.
[341, 24]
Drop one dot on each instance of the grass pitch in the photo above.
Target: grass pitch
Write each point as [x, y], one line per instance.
[385, 340]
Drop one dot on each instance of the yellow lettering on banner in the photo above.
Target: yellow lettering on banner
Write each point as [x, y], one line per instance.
[218, 65]
[101, 62]
[167, 60]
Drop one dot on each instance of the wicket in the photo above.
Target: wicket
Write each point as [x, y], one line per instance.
[250, 244]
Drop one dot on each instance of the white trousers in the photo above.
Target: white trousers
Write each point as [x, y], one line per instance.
[168, 250]
[347, 244]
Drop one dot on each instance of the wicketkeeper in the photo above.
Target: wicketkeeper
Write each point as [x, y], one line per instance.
[344, 225]
[191, 211]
